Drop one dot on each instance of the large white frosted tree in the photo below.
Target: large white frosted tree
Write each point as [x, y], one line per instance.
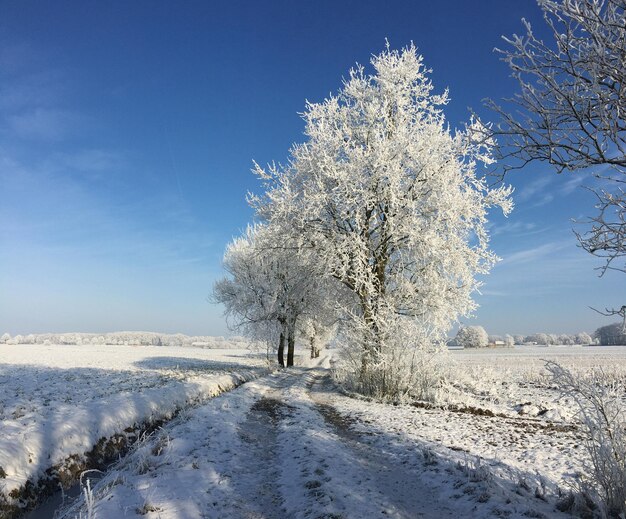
[472, 337]
[390, 203]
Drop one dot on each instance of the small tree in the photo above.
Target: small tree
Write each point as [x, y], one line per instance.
[391, 205]
[472, 337]
[5, 338]
[509, 341]
[269, 288]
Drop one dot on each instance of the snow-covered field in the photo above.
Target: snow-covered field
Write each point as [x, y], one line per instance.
[290, 444]
[57, 402]
[514, 381]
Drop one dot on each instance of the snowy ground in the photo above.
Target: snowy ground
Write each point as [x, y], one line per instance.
[514, 381]
[59, 401]
[290, 444]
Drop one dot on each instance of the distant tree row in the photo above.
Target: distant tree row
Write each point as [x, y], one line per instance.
[127, 338]
[552, 339]
[477, 337]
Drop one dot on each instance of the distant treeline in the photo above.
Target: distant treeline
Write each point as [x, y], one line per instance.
[477, 337]
[128, 338]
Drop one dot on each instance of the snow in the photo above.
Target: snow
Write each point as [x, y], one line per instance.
[58, 401]
[291, 444]
[514, 381]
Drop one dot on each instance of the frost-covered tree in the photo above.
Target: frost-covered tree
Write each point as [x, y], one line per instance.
[390, 202]
[570, 110]
[583, 338]
[539, 338]
[519, 339]
[509, 341]
[611, 334]
[268, 288]
[5, 338]
[472, 337]
[317, 334]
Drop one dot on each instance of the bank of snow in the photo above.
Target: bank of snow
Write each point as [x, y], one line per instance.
[59, 402]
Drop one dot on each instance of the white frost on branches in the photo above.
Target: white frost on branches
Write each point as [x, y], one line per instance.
[472, 337]
[390, 204]
[269, 288]
[570, 110]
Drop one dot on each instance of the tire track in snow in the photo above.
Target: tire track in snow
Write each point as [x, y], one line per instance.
[260, 448]
[408, 496]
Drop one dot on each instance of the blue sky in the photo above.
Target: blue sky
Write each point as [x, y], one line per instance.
[128, 129]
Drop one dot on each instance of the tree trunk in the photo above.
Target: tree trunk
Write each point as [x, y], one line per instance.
[372, 340]
[312, 340]
[281, 349]
[290, 350]
[291, 342]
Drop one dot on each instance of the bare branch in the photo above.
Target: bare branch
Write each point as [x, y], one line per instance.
[570, 110]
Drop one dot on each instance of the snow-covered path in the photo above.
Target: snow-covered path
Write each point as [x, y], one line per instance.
[397, 484]
[283, 446]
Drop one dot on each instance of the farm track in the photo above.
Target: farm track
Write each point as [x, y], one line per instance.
[281, 450]
[408, 495]
[289, 445]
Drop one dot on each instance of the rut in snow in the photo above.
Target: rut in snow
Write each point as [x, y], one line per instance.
[259, 440]
[392, 487]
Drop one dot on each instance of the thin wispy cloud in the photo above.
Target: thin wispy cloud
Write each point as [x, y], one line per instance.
[62, 216]
[517, 229]
[543, 199]
[536, 188]
[535, 253]
[89, 162]
[572, 185]
[17, 56]
[494, 293]
[39, 89]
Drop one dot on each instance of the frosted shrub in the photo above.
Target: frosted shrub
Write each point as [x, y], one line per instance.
[411, 365]
[602, 413]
